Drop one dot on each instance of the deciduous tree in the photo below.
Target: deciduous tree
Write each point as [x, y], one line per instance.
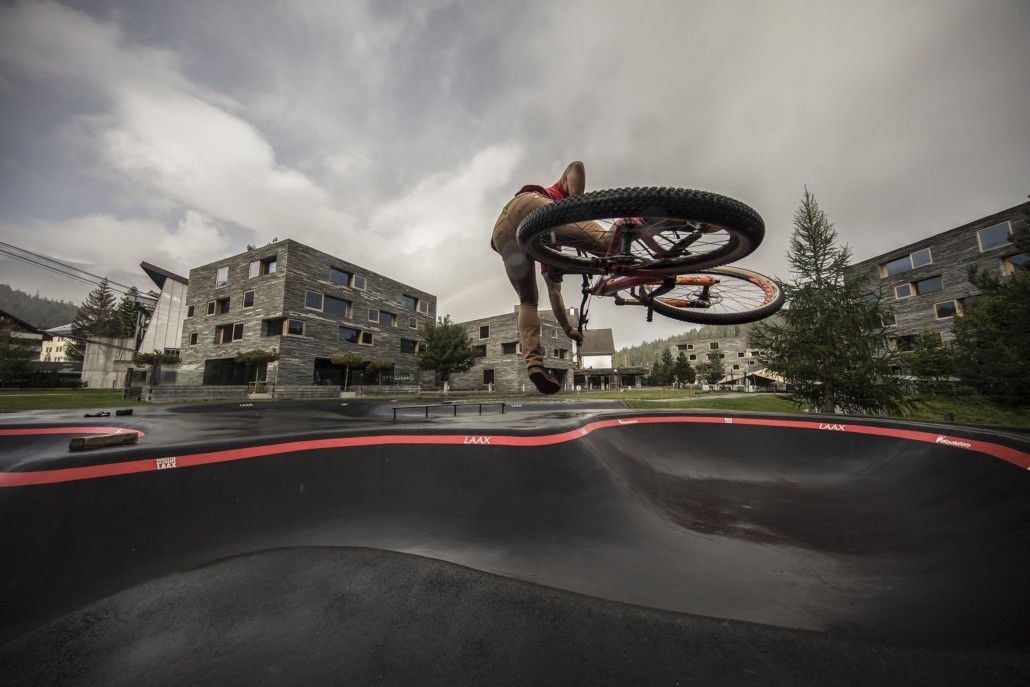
[447, 349]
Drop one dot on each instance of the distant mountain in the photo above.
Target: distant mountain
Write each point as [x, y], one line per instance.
[40, 312]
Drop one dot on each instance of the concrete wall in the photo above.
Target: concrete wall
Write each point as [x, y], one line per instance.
[105, 362]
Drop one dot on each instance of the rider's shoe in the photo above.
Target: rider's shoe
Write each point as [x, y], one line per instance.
[545, 383]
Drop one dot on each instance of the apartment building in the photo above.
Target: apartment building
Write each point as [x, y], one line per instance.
[306, 305]
[738, 360]
[500, 364]
[927, 282]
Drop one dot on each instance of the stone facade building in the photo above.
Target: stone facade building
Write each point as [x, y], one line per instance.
[306, 305]
[927, 282]
[738, 361]
[499, 362]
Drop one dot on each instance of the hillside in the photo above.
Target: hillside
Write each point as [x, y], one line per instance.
[40, 312]
[644, 355]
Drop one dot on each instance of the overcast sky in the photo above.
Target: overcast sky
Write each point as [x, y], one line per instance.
[390, 133]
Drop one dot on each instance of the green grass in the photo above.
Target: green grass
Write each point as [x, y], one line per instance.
[968, 410]
[759, 403]
[16, 400]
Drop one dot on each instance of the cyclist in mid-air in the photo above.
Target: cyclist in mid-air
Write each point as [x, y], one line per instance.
[521, 272]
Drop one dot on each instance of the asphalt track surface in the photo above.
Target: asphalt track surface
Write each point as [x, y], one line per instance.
[564, 543]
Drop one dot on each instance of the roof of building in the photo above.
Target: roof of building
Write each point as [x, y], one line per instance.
[23, 324]
[597, 342]
[158, 275]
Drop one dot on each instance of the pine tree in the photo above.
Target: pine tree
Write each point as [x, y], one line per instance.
[127, 313]
[96, 317]
[682, 371]
[15, 356]
[830, 344]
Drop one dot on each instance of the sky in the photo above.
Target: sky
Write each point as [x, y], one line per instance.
[390, 133]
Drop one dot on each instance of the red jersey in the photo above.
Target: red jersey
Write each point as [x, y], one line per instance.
[555, 191]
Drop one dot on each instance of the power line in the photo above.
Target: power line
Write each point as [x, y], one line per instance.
[122, 288]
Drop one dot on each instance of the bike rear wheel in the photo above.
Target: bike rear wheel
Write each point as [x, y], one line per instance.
[737, 296]
[682, 230]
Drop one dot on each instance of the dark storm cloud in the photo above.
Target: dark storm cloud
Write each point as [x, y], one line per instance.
[391, 132]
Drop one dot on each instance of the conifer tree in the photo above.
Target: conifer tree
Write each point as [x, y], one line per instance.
[830, 343]
[96, 316]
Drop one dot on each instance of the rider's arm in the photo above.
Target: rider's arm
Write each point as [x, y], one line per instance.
[574, 179]
[559, 310]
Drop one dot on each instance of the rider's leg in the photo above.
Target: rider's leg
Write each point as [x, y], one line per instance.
[521, 271]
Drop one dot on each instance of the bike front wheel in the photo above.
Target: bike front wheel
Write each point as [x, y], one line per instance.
[722, 295]
[675, 230]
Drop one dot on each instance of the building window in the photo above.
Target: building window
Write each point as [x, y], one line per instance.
[946, 309]
[560, 353]
[222, 276]
[272, 327]
[336, 306]
[339, 276]
[509, 348]
[423, 307]
[412, 323]
[910, 261]
[931, 285]
[740, 354]
[409, 302]
[480, 351]
[248, 299]
[993, 237]
[351, 335]
[345, 278]
[193, 338]
[682, 347]
[484, 332]
[714, 345]
[219, 307]
[259, 268]
[736, 367]
[410, 346]
[294, 327]
[189, 311]
[888, 319]
[382, 317]
[1010, 264]
[228, 332]
[488, 376]
[313, 300]
[692, 356]
[902, 344]
[903, 291]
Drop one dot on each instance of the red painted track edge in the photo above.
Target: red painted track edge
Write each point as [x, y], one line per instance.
[30, 478]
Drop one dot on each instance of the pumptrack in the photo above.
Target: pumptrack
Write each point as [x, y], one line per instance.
[325, 543]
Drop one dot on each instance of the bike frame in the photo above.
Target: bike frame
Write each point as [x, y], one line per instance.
[622, 276]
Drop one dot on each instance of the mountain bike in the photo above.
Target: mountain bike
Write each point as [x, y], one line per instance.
[665, 249]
